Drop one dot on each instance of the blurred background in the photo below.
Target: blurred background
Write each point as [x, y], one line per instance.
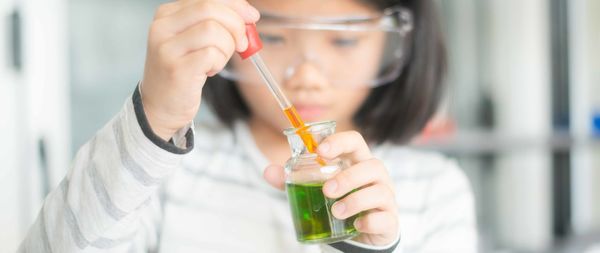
[522, 116]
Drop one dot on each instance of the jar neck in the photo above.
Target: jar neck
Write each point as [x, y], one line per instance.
[318, 131]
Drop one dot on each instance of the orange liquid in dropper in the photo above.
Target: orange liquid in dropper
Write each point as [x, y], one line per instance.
[294, 118]
[309, 142]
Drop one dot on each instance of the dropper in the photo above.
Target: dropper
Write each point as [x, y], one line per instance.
[255, 45]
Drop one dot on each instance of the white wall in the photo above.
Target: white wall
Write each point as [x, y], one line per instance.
[34, 105]
[46, 76]
[9, 81]
[462, 24]
[585, 98]
[520, 72]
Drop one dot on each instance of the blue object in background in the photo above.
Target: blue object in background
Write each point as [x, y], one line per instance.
[596, 124]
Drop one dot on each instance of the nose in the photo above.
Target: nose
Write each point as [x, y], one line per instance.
[306, 76]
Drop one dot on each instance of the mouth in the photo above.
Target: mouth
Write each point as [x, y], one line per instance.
[311, 112]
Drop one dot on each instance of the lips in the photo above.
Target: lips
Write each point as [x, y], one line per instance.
[310, 112]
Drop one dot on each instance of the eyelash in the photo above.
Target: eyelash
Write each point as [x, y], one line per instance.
[271, 39]
[345, 42]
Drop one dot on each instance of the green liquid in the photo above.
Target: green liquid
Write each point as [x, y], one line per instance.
[313, 220]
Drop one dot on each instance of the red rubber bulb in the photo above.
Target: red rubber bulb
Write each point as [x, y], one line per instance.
[254, 42]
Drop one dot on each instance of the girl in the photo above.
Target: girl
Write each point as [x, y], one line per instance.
[151, 182]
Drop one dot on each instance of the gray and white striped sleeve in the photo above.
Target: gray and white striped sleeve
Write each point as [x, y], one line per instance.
[107, 202]
[449, 215]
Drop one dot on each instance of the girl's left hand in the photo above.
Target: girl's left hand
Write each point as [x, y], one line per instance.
[375, 195]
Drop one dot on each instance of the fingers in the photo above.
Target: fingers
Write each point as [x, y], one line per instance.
[376, 222]
[195, 65]
[246, 11]
[194, 68]
[379, 197]
[188, 41]
[167, 9]
[350, 144]
[228, 13]
[205, 34]
[275, 175]
[359, 175]
[242, 7]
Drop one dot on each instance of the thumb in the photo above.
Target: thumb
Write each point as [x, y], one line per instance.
[275, 175]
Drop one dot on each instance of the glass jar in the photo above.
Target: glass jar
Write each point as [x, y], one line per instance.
[305, 175]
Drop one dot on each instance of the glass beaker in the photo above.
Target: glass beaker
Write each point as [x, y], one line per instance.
[305, 175]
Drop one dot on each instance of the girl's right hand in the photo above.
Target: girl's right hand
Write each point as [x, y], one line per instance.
[189, 40]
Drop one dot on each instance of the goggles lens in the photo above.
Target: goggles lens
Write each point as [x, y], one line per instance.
[350, 51]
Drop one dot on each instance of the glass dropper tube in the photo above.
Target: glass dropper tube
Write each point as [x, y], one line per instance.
[254, 45]
[270, 81]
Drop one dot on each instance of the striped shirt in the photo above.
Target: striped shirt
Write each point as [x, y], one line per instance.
[128, 191]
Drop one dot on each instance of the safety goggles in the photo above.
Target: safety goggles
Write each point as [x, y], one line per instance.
[355, 51]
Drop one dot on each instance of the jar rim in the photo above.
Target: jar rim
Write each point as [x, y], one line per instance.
[310, 127]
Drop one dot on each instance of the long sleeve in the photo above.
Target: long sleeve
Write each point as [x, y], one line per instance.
[108, 200]
[449, 221]
[349, 246]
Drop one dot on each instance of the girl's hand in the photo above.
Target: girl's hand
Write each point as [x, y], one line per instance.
[375, 195]
[188, 41]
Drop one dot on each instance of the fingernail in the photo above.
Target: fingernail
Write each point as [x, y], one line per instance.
[324, 147]
[338, 209]
[357, 224]
[331, 186]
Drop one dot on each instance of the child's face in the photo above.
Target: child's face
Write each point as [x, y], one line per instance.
[315, 63]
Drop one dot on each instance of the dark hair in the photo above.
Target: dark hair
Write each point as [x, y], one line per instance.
[393, 112]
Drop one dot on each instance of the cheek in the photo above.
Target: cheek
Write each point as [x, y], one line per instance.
[348, 101]
[370, 54]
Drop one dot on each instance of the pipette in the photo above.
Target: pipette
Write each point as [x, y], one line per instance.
[255, 45]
